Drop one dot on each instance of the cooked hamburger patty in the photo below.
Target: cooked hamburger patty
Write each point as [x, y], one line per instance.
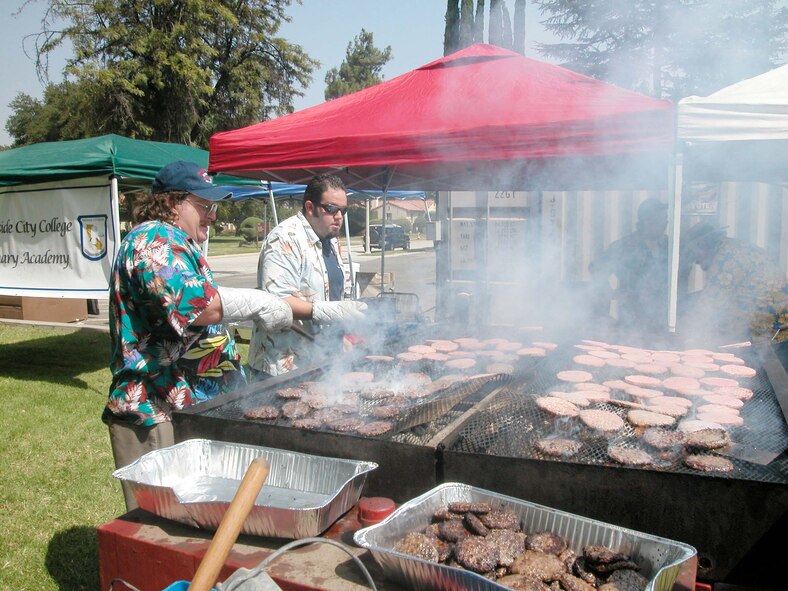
[707, 439]
[295, 409]
[476, 554]
[546, 542]
[265, 413]
[290, 392]
[558, 447]
[419, 545]
[510, 544]
[548, 567]
[501, 519]
[663, 439]
[646, 418]
[708, 463]
[479, 508]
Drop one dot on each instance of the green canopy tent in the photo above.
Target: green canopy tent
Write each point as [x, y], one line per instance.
[60, 221]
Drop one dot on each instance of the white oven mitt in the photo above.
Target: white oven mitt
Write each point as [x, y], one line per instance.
[330, 312]
[271, 312]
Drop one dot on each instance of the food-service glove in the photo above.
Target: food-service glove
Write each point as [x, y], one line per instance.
[329, 312]
[271, 312]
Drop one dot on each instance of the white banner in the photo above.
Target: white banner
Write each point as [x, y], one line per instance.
[57, 239]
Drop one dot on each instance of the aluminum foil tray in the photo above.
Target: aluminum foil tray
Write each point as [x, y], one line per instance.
[661, 560]
[193, 482]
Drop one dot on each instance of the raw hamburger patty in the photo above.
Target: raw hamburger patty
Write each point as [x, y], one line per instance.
[265, 412]
[738, 392]
[357, 377]
[708, 463]
[602, 420]
[678, 384]
[723, 400]
[531, 352]
[422, 349]
[578, 398]
[574, 376]
[646, 418]
[557, 406]
[588, 360]
[692, 425]
[629, 456]
[686, 371]
[461, 363]
[558, 447]
[716, 382]
[643, 381]
[739, 371]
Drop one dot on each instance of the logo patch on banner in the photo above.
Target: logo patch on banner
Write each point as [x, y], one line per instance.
[93, 236]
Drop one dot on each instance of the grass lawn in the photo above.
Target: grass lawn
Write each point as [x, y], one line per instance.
[55, 458]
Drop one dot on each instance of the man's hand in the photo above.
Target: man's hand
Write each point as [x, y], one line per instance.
[330, 312]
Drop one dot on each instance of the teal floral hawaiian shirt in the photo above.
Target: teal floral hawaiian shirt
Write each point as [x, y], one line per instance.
[160, 362]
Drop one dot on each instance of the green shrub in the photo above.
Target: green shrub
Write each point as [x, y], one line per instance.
[405, 224]
[249, 228]
[420, 225]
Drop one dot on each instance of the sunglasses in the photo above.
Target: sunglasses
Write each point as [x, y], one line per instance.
[332, 209]
[206, 209]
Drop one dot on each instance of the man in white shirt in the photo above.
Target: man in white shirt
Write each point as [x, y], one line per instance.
[301, 262]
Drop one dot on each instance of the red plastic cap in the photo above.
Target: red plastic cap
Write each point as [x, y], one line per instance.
[372, 510]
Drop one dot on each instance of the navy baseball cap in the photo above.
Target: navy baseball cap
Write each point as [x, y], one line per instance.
[650, 208]
[190, 177]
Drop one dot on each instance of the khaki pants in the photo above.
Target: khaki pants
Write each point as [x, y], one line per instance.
[130, 442]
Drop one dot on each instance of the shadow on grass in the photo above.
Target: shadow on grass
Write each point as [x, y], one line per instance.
[72, 559]
[56, 358]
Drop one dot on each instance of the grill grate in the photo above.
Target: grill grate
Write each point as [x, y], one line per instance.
[513, 423]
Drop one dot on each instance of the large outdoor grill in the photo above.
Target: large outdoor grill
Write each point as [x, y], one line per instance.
[486, 440]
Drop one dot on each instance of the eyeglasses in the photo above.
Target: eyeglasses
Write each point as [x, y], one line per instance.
[332, 209]
[206, 209]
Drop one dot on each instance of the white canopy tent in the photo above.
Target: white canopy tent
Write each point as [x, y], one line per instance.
[739, 133]
[755, 109]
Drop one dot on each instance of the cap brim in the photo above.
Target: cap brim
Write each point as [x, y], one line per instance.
[212, 193]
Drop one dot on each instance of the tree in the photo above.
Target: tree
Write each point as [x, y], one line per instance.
[464, 28]
[660, 48]
[519, 27]
[176, 71]
[451, 33]
[478, 22]
[466, 23]
[360, 69]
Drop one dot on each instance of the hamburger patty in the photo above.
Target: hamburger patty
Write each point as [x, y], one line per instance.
[706, 463]
[601, 420]
[501, 519]
[663, 439]
[546, 542]
[629, 456]
[476, 554]
[418, 545]
[265, 412]
[707, 439]
[558, 447]
[557, 406]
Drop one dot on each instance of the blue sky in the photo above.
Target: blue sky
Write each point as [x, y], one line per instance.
[414, 30]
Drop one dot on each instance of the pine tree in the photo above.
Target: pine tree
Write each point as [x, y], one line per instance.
[466, 23]
[451, 34]
[495, 34]
[360, 69]
[478, 22]
[519, 27]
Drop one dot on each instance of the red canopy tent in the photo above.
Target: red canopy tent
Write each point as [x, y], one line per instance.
[481, 118]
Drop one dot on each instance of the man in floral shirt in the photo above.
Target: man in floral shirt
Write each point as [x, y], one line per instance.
[170, 349]
[300, 261]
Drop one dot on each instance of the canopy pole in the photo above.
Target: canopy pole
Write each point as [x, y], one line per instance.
[114, 198]
[367, 248]
[273, 204]
[675, 182]
[350, 258]
[387, 174]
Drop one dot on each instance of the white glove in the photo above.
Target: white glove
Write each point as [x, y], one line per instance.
[328, 312]
[271, 312]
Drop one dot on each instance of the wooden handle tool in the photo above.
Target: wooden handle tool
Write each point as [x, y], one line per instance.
[230, 527]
